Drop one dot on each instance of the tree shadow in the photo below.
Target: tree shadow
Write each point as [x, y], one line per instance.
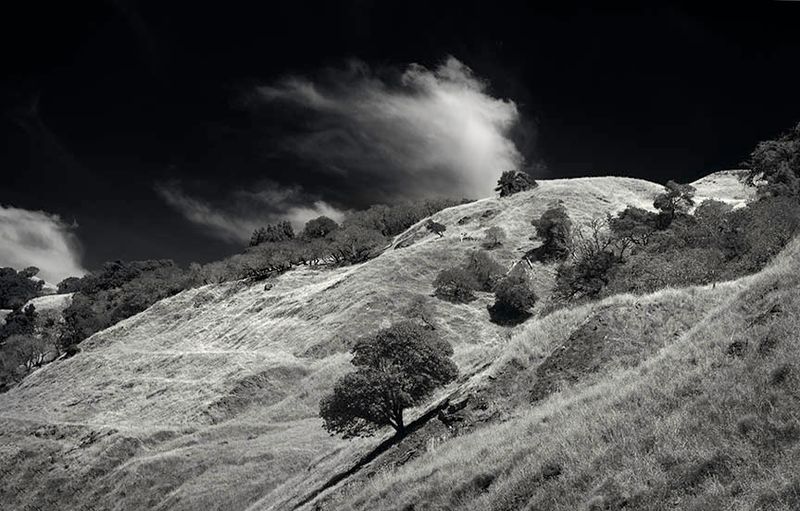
[503, 315]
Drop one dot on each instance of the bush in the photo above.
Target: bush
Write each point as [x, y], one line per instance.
[435, 227]
[513, 298]
[514, 181]
[397, 368]
[554, 227]
[493, 238]
[485, 270]
[455, 285]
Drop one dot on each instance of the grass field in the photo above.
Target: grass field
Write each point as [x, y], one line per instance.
[209, 399]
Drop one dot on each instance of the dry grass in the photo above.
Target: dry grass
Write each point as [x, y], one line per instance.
[698, 425]
[209, 398]
[724, 185]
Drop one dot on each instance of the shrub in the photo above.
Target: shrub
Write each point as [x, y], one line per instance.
[435, 227]
[514, 297]
[397, 368]
[554, 227]
[493, 238]
[455, 285]
[485, 270]
[319, 227]
[514, 181]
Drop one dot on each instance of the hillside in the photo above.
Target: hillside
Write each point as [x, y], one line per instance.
[697, 411]
[209, 399]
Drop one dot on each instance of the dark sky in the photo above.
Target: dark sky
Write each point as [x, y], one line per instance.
[102, 100]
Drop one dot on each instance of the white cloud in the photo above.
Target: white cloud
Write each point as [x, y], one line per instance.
[243, 211]
[423, 132]
[37, 238]
[355, 137]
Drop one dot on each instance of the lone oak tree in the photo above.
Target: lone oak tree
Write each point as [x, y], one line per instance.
[397, 368]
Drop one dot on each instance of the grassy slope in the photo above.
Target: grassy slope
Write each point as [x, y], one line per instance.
[209, 398]
[709, 420]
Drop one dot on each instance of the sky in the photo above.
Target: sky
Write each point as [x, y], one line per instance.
[148, 129]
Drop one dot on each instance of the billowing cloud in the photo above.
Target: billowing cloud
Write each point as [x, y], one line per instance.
[241, 212]
[37, 238]
[394, 135]
[354, 137]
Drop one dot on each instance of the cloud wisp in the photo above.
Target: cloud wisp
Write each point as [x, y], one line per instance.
[234, 219]
[37, 238]
[407, 134]
[354, 137]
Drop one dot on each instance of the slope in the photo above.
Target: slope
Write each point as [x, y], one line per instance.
[209, 398]
[696, 408]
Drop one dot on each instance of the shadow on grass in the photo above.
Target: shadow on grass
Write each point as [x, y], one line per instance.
[506, 316]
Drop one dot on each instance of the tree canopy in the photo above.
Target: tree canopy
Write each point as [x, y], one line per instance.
[514, 181]
[397, 368]
[554, 227]
[17, 287]
[775, 165]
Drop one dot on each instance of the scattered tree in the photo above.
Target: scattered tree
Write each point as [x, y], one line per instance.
[554, 227]
[435, 227]
[514, 181]
[396, 369]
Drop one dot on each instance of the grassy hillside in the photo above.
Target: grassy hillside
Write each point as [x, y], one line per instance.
[699, 411]
[209, 399]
